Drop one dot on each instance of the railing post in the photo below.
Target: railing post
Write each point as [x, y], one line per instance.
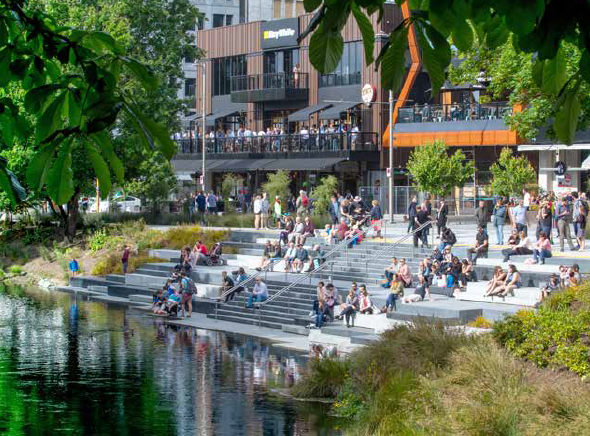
[216, 301]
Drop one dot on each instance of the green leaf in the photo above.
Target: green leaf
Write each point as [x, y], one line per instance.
[100, 169]
[5, 56]
[156, 133]
[496, 32]
[6, 183]
[433, 60]
[393, 66]
[538, 72]
[39, 166]
[60, 180]
[35, 99]
[142, 72]
[103, 143]
[367, 32]
[7, 131]
[101, 41]
[585, 66]
[51, 120]
[554, 74]
[311, 5]
[462, 35]
[3, 33]
[74, 109]
[443, 22]
[325, 50]
[566, 120]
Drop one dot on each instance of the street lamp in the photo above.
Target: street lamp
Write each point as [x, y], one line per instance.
[203, 78]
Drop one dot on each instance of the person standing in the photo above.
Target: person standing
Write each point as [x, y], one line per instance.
[412, 213]
[125, 258]
[334, 212]
[526, 199]
[544, 219]
[191, 206]
[481, 216]
[499, 219]
[257, 212]
[580, 223]
[264, 208]
[201, 202]
[74, 267]
[563, 214]
[519, 217]
[580, 207]
[421, 218]
[376, 218]
[441, 217]
[211, 203]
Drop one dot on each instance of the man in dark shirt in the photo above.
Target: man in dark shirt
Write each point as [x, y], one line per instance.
[301, 257]
[412, 210]
[201, 200]
[125, 258]
[481, 216]
[226, 284]
[420, 219]
[481, 246]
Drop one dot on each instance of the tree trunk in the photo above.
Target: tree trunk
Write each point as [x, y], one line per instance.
[72, 217]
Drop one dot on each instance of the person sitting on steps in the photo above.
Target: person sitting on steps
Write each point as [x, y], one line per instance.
[511, 283]
[265, 256]
[365, 304]
[419, 294]
[290, 255]
[524, 246]
[553, 284]
[542, 249]
[390, 272]
[481, 246]
[349, 308]
[226, 284]
[259, 293]
[497, 280]
[301, 257]
[405, 273]
[447, 239]
[396, 291]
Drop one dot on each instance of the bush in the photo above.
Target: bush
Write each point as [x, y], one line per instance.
[112, 264]
[556, 335]
[16, 269]
[481, 323]
[324, 379]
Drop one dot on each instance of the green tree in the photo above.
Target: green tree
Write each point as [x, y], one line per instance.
[511, 174]
[278, 184]
[157, 182]
[532, 26]
[436, 172]
[323, 193]
[229, 186]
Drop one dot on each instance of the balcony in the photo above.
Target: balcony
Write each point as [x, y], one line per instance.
[269, 87]
[453, 112]
[275, 145]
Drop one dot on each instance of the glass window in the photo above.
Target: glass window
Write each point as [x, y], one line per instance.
[189, 87]
[200, 22]
[229, 20]
[218, 20]
[224, 69]
[348, 71]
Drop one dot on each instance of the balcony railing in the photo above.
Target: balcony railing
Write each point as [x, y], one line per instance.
[327, 80]
[453, 112]
[270, 81]
[294, 143]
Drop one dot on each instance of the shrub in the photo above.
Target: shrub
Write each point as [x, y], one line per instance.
[481, 323]
[324, 379]
[112, 264]
[16, 269]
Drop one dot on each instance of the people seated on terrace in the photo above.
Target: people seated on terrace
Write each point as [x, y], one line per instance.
[238, 277]
[436, 255]
[328, 234]
[200, 251]
[308, 230]
[343, 229]
[320, 289]
[467, 273]
[297, 230]
[511, 282]
[226, 284]
[452, 272]
[481, 246]
[301, 257]
[365, 304]
[497, 280]
[215, 254]
[265, 256]
[354, 235]
[346, 211]
[420, 292]
[289, 226]
[563, 274]
[524, 246]
[447, 239]
[186, 260]
[513, 239]
[405, 273]
[396, 291]
[553, 284]
[349, 308]
[173, 304]
[316, 257]
[326, 307]
[290, 255]
[259, 293]
[159, 301]
[574, 276]
[447, 258]
[354, 287]
[390, 272]
[542, 249]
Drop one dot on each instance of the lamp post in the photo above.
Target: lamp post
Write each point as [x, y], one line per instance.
[391, 174]
[203, 93]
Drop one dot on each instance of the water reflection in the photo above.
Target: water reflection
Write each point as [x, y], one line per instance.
[82, 368]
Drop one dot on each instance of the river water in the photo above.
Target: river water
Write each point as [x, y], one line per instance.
[72, 367]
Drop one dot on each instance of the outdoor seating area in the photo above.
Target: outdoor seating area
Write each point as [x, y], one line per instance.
[453, 112]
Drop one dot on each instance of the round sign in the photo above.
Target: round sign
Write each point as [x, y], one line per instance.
[368, 93]
[560, 168]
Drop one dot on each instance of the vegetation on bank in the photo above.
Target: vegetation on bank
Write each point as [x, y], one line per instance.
[523, 379]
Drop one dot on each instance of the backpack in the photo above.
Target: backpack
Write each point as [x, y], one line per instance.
[192, 288]
[305, 201]
[452, 238]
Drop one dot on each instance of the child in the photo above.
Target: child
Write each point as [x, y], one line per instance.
[327, 234]
[552, 285]
[74, 267]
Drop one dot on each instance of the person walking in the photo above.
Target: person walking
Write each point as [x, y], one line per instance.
[518, 215]
[211, 203]
[412, 213]
[441, 217]
[499, 219]
[264, 210]
[257, 211]
[376, 218]
[563, 214]
[125, 258]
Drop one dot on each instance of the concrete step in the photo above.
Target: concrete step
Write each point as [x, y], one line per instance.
[98, 289]
[147, 299]
[522, 296]
[364, 339]
[349, 332]
[408, 311]
[242, 320]
[544, 269]
[115, 278]
[295, 329]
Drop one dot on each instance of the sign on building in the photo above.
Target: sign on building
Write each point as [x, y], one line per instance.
[279, 33]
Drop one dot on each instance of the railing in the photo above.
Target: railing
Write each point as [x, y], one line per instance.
[453, 112]
[330, 253]
[327, 80]
[391, 248]
[289, 143]
[269, 81]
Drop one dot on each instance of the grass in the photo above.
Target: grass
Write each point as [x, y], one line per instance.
[428, 380]
[112, 264]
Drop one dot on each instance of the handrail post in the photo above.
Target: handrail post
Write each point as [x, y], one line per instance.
[216, 301]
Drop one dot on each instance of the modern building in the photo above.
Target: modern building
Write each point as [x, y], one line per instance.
[267, 10]
[259, 78]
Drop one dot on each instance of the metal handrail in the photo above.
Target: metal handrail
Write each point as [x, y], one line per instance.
[266, 268]
[396, 243]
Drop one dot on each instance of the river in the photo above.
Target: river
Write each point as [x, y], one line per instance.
[73, 367]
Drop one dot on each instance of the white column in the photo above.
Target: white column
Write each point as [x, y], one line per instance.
[546, 160]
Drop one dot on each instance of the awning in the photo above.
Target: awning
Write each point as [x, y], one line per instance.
[334, 112]
[304, 114]
[210, 119]
[302, 164]
[241, 164]
[184, 176]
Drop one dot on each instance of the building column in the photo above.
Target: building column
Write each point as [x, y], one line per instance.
[546, 160]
